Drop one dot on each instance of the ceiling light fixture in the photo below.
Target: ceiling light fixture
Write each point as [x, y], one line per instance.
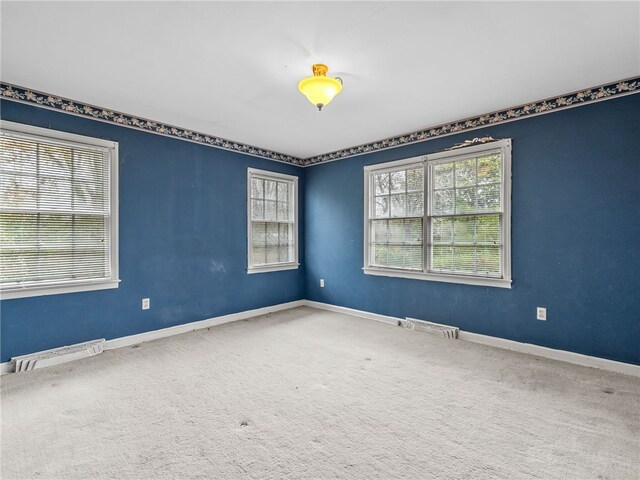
[320, 89]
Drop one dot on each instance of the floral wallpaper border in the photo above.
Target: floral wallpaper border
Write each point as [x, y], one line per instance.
[20, 94]
[582, 97]
[604, 92]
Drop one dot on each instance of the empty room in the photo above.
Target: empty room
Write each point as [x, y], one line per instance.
[320, 240]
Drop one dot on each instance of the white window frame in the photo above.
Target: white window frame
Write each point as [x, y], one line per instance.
[272, 267]
[33, 289]
[427, 161]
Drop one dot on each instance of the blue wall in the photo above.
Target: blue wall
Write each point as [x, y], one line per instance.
[575, 237]
[183, 230]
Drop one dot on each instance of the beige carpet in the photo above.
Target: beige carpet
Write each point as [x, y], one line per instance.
[311, 394]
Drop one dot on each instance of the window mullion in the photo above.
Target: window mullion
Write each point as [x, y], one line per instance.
[426, 218]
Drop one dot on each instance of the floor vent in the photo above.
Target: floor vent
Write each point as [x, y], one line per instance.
[57, 356]
[446, 331]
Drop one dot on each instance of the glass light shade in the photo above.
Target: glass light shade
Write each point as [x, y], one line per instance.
[320, 89]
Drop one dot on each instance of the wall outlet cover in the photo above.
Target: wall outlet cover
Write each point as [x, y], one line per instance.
[541, 313]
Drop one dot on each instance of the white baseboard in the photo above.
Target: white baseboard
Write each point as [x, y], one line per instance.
[561, 355]
[199, 325]
[351, 311]
[8, 367]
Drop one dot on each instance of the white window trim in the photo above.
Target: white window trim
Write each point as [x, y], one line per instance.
[428, 160]
[33, 289]
[274, 267]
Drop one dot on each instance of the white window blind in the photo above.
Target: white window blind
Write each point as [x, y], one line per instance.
[272, 223]
[466, 215]
[56, 221]
[458, 200]
[396, 218]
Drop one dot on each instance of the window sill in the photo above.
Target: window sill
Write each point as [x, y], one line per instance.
[440, 277]
[36, 291]
[273, 268]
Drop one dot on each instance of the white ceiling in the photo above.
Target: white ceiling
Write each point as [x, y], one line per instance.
[231, 69]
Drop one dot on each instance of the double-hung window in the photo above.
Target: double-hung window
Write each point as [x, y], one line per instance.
[272, 223]
[443, 216]
[58, 212]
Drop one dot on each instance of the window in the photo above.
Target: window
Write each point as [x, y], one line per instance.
[272, 222]
[459, 201]
[58, 212]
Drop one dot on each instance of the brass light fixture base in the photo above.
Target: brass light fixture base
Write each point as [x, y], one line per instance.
[319, 69]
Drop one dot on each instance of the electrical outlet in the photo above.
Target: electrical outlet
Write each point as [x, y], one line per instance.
[146, 303]
[322, 282]
[541, 313]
